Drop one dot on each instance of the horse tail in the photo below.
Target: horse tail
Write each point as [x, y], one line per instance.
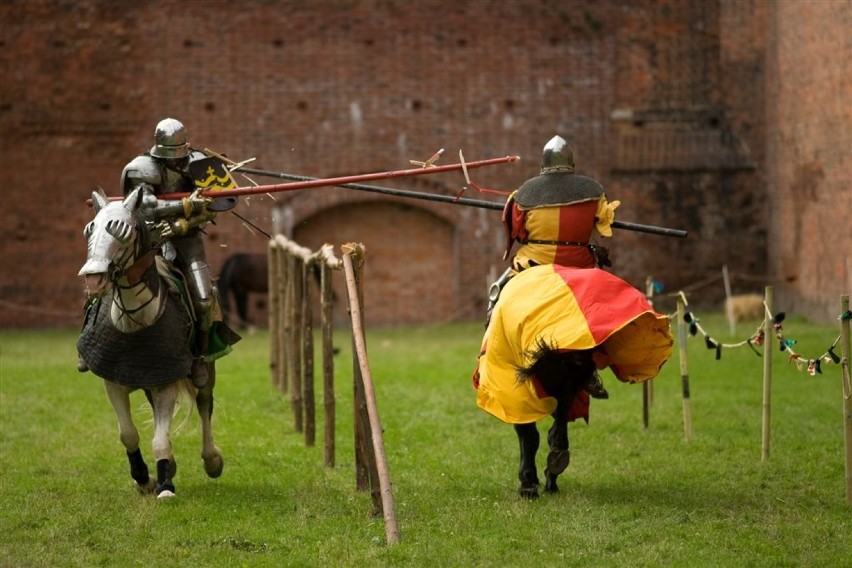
[185, 394]
[226, 277]
[185, 397]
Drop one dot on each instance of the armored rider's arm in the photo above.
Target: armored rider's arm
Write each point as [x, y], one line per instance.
[168, 217]
[175, 218]
[159, 209]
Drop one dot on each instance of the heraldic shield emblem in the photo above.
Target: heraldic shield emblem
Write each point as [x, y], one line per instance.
[211, 174]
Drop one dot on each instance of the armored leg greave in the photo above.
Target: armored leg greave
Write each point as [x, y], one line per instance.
[201, 288]
[193, 261]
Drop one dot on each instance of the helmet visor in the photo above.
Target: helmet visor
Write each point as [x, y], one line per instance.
[170, 152]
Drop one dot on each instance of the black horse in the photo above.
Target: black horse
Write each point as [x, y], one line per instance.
[241, 275]
[561, 375]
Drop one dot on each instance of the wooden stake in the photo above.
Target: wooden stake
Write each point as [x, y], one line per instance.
[308, 356]
[365, 465]
[327, 362]
[295, 345]
[847, 392]
[768, 330]
[729, 308]
[391, 530]
[684, 373]
[648, 386]
[283, 273]
[273, 308]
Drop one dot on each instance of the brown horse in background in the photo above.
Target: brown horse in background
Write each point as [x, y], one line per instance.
[242, 274]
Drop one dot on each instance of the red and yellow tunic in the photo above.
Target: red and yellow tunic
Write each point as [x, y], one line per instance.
[560, 235]
[553, 217]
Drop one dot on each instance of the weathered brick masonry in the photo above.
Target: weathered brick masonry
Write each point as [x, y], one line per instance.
[809, 159]
[726, 118]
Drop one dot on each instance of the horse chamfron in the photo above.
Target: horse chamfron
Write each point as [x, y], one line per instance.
[551, 330]
[138, 335]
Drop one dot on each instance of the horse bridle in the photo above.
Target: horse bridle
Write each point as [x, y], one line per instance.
[135, 276]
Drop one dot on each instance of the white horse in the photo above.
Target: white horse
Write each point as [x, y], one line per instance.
[137, 335]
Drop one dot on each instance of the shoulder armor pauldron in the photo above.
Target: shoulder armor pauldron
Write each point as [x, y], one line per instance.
[142, 170]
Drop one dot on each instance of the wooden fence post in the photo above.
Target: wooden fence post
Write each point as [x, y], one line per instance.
[648, 386]
[327, 361]
[286, 324]
[308, 355]
[684, 373]
[295, 344]
[729, 307]
[847, 390]
[768, 330]
[391, 529]
[365, 467]
[275, 359]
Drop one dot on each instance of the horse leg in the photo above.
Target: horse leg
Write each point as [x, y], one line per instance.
[528, 438]
[242, 306]
[557, 439]
[119, 397]
[163, 401]
[210, 454]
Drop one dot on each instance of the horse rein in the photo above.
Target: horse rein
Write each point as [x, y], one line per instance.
[134, 275]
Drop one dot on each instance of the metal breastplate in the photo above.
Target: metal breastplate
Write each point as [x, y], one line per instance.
[175, 181]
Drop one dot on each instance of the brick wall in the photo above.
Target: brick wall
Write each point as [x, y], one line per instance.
[327, 89]
[810, 165]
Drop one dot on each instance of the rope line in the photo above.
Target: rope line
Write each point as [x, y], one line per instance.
[758, 339]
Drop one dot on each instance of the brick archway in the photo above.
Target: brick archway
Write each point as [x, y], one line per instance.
[411, 273]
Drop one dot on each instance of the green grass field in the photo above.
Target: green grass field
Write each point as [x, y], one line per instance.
[631, 497]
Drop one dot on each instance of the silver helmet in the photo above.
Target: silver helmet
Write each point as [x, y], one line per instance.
[170, 140]
[557, 184]
[557, 157]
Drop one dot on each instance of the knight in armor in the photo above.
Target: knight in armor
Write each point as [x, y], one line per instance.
[165, 169]
[554, 217]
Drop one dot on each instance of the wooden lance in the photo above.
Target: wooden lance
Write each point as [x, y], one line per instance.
[480, 203]
[307, 183]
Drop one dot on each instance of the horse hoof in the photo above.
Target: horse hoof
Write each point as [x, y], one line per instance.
[528, 491]
[165, 488]
[213, 465]
[550, 484]
[557, 461]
